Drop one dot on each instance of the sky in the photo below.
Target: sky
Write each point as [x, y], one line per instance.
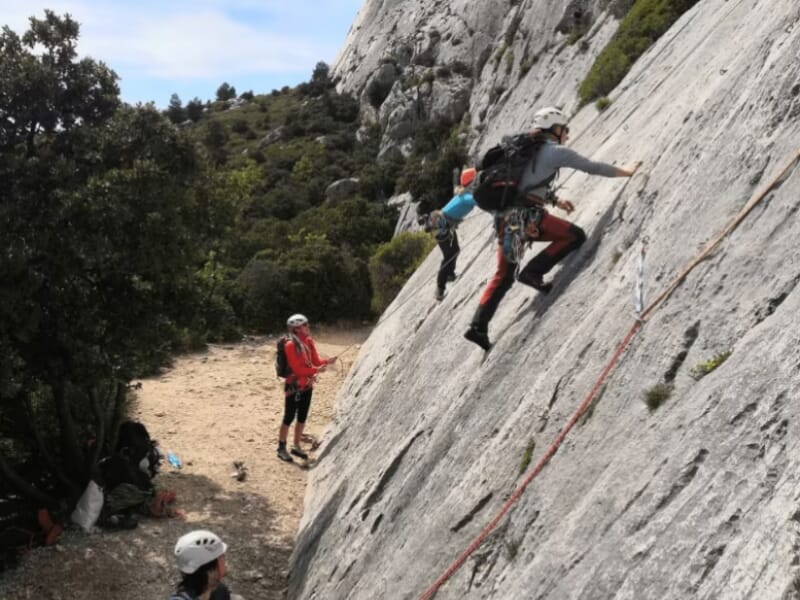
[161, 47]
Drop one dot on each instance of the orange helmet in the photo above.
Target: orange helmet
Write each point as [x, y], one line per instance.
[468, 176]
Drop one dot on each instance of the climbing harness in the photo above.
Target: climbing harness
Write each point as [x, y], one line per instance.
[598, 385]
[520, 227]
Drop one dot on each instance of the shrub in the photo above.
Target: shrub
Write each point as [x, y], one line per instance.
[704, 368]
[657, 395]
[307, 276]
[240, 126]
[603, 103]
[527, 456]
[393, 263]
[646, 21]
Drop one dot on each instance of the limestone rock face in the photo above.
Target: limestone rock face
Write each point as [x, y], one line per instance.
[699, 498]
[407, 217]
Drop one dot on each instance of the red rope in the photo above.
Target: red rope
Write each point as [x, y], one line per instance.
[539, 466]
[431, 591]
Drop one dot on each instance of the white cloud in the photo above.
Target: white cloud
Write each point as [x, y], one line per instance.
[205, 45]
[179, 39]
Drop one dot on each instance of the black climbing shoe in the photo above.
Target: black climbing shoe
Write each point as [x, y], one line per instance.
[451, 277]
[440, 294]
[479, 337]
[283, 454]
[536, 282]
[299, 453]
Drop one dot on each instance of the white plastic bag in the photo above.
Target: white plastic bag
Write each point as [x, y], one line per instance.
[88, 508]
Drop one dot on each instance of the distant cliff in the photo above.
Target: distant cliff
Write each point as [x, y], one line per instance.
[698, 498]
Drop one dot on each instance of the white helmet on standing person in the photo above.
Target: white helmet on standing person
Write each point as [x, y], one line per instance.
[296, 320]
[549, 117]
[196, 549]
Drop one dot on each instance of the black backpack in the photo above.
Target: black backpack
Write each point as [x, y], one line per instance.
[281, 364]
[501, 170]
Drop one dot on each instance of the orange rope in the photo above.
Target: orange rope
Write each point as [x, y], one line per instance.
[431, 591]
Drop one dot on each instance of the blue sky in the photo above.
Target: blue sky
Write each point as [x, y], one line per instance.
[160, 47]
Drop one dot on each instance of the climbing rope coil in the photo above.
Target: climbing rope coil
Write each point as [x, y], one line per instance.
[642, 315]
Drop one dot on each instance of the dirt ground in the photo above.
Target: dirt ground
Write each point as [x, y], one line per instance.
[211, 409]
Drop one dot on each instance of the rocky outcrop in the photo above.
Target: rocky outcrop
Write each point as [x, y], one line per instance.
[420, 61]
[273, 136]
[407, 209]
[697, 499]
[341, 189]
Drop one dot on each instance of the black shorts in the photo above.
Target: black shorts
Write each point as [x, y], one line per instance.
[297, 405]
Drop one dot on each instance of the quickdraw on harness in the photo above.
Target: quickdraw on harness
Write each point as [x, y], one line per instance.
[520, 227]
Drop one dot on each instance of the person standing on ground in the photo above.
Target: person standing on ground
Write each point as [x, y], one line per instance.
[304, 364]
[444, 222]
[534, 190]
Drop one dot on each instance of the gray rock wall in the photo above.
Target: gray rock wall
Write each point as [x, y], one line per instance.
[698, 499]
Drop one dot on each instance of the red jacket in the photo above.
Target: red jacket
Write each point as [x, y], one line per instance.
[303, 361]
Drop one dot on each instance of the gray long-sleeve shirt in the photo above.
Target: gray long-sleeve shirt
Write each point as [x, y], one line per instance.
[550, 158]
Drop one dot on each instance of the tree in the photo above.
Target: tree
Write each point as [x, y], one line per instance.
[108, 213]
[194, 109]
[175, 111]
[320, 81]
[226, 92]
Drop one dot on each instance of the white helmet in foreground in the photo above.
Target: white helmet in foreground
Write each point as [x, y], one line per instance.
[549, 117]
[296, 320]
[197, 548]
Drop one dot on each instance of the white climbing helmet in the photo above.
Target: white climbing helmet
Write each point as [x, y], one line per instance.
[296, 320]
[549, 117]
[197, 548]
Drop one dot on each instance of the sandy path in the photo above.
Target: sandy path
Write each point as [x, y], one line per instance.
[210, 408]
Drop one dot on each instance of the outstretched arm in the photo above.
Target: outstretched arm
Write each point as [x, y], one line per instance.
[561, 156]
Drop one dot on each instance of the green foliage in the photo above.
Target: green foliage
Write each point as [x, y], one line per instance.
[393, 263]
[108, 214]
[498, 54]
[307, 276]
[657, 395]
[576, 34]
[194, 109]
[527, 456]
[175, 111]
[646, 21]
[428, 171]
[226, 92]
[526, 64]
[704, 368]
[509, 61]
[603, 103]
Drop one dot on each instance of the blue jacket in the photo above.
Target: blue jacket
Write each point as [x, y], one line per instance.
[458, 207]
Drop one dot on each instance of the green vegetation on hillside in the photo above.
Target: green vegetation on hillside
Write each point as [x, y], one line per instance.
[645, 22]
[132, 233]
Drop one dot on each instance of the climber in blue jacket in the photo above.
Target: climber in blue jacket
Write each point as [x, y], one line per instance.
[444, 223]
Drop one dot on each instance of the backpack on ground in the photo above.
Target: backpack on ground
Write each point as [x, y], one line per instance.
[282, 368]
[501, 170]
[138, 448]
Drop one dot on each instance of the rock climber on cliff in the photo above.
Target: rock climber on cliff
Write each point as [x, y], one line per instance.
[533, 222]
[444, 223]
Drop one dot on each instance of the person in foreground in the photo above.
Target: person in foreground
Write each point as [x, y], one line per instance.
[200, 558]
[532, 193]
